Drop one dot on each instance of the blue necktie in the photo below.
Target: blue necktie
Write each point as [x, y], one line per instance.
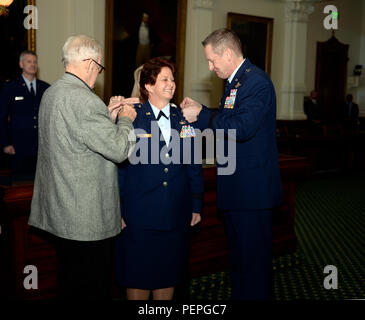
[32, 92]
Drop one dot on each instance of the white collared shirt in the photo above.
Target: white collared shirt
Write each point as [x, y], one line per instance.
[27, 82]
[163, 123]
[235, 71]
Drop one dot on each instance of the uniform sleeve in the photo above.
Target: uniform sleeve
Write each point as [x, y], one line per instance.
[122, 172]
[101, 135]
[196, 181]
[206, 118]
[5, 101]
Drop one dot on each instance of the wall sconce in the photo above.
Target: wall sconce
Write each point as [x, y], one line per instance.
[357, 70]
[4, 11]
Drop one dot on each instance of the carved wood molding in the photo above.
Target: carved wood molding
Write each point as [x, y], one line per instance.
[32, 33]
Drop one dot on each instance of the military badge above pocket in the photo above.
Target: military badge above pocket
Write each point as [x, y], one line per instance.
[229, 103]
[187, 131]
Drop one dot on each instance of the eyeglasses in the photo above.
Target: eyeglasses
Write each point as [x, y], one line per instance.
[101, 68]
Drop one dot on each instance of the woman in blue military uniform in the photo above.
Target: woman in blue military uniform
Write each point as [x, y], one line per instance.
[161, 192]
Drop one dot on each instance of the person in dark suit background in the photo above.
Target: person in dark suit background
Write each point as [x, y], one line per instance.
[314, 112]
[247, 197]
[161, 199]
[19, 106]
[350, 113]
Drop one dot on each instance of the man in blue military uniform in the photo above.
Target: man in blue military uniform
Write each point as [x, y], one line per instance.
[249, 196]
[19, 105]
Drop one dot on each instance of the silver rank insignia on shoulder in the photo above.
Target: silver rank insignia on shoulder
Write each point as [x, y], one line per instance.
[148, 113]
[173, 105]
[248, 70]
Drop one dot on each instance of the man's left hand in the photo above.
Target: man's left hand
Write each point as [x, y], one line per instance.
[115, 104]
[196, 218]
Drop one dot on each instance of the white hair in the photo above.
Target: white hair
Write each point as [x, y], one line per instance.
[78, 48]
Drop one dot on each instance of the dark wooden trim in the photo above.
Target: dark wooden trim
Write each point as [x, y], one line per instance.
[32, 33]
[108, 75]
[180, 48]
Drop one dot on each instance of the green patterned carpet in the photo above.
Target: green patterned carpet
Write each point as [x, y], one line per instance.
[330, 227]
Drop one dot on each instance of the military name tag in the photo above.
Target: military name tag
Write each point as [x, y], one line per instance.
[187, 132]
[19, 98]
[229, 103]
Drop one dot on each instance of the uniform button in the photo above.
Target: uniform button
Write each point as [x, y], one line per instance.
[164, 184]
[34, 118]
[35, 127]
[166, 170]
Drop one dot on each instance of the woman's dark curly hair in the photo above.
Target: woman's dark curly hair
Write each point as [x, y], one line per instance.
[149, 73]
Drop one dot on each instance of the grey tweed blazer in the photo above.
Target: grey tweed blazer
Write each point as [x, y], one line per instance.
[76, 193]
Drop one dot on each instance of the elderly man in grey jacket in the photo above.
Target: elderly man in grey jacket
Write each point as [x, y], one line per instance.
[76, 193]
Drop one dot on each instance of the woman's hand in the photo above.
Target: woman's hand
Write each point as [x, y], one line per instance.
[196, 218]
[123, 224]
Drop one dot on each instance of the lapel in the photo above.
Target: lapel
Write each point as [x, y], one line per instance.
[174, 119]
[24, 85]
[146, 117]
[237, 81]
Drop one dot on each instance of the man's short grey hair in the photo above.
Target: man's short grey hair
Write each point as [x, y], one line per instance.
[78, 48]
[26, 52]
[222, 39]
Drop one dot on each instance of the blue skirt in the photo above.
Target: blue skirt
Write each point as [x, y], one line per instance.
[151, 259]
